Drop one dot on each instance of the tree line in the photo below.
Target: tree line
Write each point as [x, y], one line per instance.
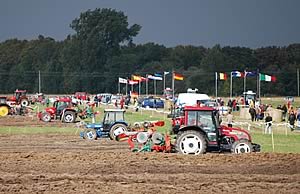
[102, 49]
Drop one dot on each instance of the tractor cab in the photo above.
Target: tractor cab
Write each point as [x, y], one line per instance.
[112, 116]
[20, 93]
[206, 118]
[61, 104]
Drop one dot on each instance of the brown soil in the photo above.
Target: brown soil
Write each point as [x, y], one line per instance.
[56, 163]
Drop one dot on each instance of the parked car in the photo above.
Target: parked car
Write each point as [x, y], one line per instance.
[115, 98]
[153, 103]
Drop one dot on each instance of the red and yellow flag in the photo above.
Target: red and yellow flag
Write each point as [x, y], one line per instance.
[178, 76]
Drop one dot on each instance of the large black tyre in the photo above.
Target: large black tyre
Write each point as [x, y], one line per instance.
[116, 130]
[90, 134]
[190, 142]
[24, 102]
[241, 146]
[69, 117]
[46, 117]
[4, 110]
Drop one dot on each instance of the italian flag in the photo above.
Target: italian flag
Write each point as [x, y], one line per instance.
[267, 78]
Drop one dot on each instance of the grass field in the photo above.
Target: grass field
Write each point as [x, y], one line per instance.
[284, 143]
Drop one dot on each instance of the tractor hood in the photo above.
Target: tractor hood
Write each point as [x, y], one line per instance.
[94, 126]
[236, 133]
[50, 110]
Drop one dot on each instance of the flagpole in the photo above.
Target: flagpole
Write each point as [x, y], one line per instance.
[164, 83]
[298, 80]
[173, 87]
[230, 85]
[245, 75]
[154, 87]
[139, 87]
[119, 87]
[147, 85]
[259, 83]
[216, 85]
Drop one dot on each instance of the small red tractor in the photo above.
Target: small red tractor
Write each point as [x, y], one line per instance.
[19, 97]
[198, 131]
[62, 109]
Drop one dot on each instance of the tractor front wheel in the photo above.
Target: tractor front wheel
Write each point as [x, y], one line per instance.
[241, 146]
[69, 117]
[46, 117]
[24, 102]
[190, 142]
[90, 134]
[116, 130]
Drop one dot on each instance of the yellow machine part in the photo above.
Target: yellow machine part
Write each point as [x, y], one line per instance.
[3, 111]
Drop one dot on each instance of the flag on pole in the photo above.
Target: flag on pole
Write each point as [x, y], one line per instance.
[178, 77]
[166, 73]
[237, 74]
[136, 78]
[122, 80]
[133, 82]
[223, 76]
[250, 73]
[154, 77]
[267, 78]
[157, 75]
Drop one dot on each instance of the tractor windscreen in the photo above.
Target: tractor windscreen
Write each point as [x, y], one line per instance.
[203, 119]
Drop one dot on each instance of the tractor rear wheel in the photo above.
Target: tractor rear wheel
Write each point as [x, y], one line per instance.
[190, 142]
[90, 134]
[241, 146]
[116, 130]
[69, 117]
[3, 111]
[46, 117]
[24, 102]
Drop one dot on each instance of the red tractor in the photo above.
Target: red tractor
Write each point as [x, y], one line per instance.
[198, 131]
[19, 98]
[62, 109]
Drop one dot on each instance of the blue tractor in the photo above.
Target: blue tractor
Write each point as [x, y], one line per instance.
[113, 124]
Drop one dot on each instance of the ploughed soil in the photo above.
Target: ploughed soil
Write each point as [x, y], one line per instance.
[60, 163]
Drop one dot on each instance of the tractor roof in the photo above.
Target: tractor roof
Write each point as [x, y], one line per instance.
[20, 91]
[198, 108]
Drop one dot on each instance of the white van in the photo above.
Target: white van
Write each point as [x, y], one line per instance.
[191, 99]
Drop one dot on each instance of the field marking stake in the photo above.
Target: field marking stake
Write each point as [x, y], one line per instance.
[273, 146]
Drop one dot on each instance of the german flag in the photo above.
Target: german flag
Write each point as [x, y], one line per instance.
[177, 76]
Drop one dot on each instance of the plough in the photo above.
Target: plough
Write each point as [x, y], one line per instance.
[147, 139]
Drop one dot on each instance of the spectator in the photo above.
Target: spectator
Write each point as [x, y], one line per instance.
[284, 111]
[292, 118]
[96, 100]
[122, 103]
[252, 113]
[268, 129]
[229, 118]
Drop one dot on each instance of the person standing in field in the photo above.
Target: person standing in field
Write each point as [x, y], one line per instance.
[252, 113]
[229, 118]
[292, 118]
[268, 129]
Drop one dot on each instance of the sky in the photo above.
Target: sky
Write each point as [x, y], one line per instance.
[247, 23]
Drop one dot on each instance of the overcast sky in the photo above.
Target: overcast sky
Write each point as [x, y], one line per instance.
[250, 23]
